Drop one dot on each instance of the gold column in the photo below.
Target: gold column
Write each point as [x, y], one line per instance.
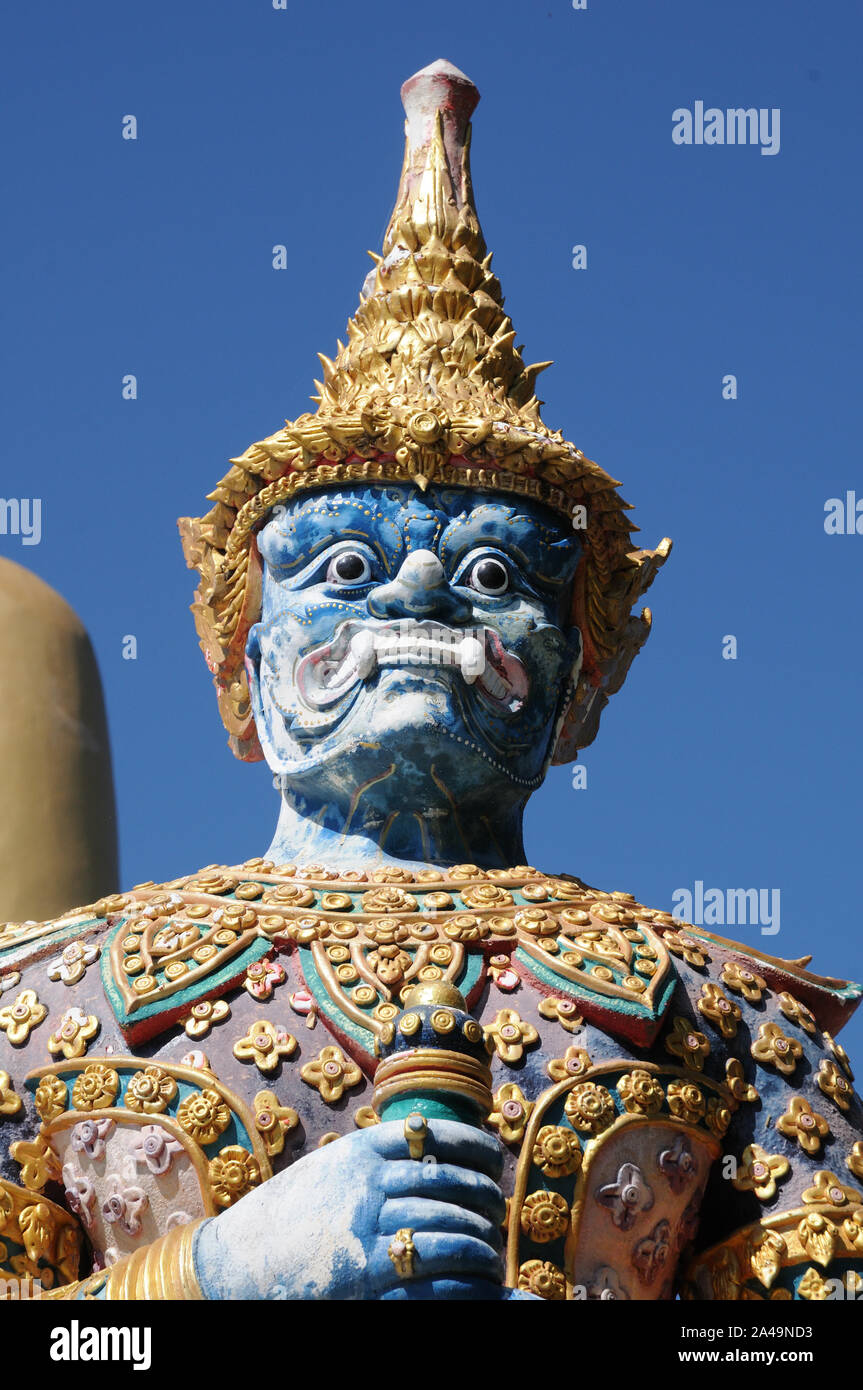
[58, 838]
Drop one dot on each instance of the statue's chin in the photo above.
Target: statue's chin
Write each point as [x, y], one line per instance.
[418, 732]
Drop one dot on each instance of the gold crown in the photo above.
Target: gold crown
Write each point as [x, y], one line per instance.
[430, 387]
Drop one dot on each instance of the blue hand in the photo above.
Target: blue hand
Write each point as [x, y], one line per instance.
[322, 1230]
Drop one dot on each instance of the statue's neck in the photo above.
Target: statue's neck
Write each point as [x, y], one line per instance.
[316, 834]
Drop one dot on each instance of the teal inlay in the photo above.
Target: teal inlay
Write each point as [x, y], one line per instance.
[236, 1132]
[470, 974]
[442, 1107]
[210, 983]
[634, 1007]
[364, 1037]
[64, 931]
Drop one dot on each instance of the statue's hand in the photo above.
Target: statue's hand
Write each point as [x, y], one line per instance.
[323, 1228]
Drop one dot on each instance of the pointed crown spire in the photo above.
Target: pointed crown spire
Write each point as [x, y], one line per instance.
[429, 387]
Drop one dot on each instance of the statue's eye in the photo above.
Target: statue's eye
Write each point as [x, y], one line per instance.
[489, 576]
[348, 567]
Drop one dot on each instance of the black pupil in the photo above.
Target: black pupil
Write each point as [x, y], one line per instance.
[351, 566]
[490, 574]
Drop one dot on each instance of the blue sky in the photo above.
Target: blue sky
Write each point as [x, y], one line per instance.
[259, 127]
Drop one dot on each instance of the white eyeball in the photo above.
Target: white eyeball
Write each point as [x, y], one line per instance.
[348, 567]
[489, 576]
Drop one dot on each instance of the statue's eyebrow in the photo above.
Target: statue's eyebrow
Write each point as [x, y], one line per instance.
[323, 523]
[547, 555]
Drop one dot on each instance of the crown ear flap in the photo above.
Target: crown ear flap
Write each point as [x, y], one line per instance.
[231, 676]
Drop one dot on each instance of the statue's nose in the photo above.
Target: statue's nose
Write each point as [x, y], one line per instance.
[419, 590]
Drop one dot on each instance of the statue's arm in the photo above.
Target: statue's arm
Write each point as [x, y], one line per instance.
[333, 1226]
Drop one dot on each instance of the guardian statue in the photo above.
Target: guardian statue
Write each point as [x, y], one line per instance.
[387, 1059]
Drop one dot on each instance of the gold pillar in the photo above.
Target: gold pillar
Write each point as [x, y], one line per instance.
[58, 833]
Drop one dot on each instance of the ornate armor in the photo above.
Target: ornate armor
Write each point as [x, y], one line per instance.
[676, 1114]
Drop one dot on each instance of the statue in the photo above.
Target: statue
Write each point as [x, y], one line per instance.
[318, 1073]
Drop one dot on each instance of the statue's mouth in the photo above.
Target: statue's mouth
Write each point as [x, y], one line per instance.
[359, 650]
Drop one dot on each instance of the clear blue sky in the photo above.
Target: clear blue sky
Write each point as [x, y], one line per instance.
[258, 127]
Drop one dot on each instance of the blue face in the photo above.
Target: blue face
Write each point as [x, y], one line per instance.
[413, 649]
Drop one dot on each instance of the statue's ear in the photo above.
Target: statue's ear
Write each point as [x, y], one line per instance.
[561, 748]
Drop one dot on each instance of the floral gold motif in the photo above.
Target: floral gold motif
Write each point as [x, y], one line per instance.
[19, 1019]
[51, 1098]
[765, 1256]
[833, 1084]
[38, 1162]
[391, 899]
[150, 1091]
[273, 1121]
[544, 1216]
[839, 1054]
[201, 1017]
[589, 1107]
[736, 1081]
[640, 1092]
[96, 1087]
[831, 1190]
[773, 1048]
[687, 1043]
[686, 1101]
[557, 1152]
[797, 1012]
[37, 1230]
[331, 1073]
[743, 981]
[818, 1236]
[510, 1035]
[77, 1029]
[718, 1116]
[759, 1172]
[204, 1115]
[563, 1011]
[511, 1112]
[692, 951]
[852, 1228]
[542, 1278]
[813, 1288]
[718, 1009]
[574, 1062]
[233, 1173]
[265, 1045]
[802, 1123]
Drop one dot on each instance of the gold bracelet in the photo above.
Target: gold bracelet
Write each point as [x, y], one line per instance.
[163, 1270]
